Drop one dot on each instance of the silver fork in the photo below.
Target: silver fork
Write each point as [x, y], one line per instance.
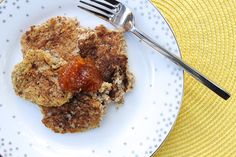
[121, 17]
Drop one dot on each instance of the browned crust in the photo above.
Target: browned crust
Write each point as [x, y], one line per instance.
[109, 52]
[62, 37]
[80, 114]
[58, 35]
[36, 79]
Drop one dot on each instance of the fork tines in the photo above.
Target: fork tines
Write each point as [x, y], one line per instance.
[96, 7]
[102, 8]
[114, 2]
[108, 5]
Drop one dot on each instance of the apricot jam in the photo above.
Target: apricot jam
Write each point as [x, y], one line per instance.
[80, 75]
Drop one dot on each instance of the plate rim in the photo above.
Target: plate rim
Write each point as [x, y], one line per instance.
[183, 80]
[182, 95]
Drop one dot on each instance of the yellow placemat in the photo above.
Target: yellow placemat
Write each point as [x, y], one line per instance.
[206, 33]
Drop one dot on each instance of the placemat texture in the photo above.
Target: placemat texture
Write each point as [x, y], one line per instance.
[206, 33]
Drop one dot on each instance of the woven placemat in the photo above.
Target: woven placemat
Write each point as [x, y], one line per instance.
[206, 33]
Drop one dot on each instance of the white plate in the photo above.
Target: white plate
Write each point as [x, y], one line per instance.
[137, 129]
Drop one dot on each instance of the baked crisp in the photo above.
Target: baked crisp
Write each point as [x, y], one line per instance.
[36, 79]
[83, 112]
[58, 35]
[109, 53]
[64, 40]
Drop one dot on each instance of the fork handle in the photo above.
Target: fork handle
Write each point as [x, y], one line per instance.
[197, 75]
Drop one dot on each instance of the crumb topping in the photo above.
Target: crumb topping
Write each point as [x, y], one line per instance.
[36, 79]
[92, 63]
